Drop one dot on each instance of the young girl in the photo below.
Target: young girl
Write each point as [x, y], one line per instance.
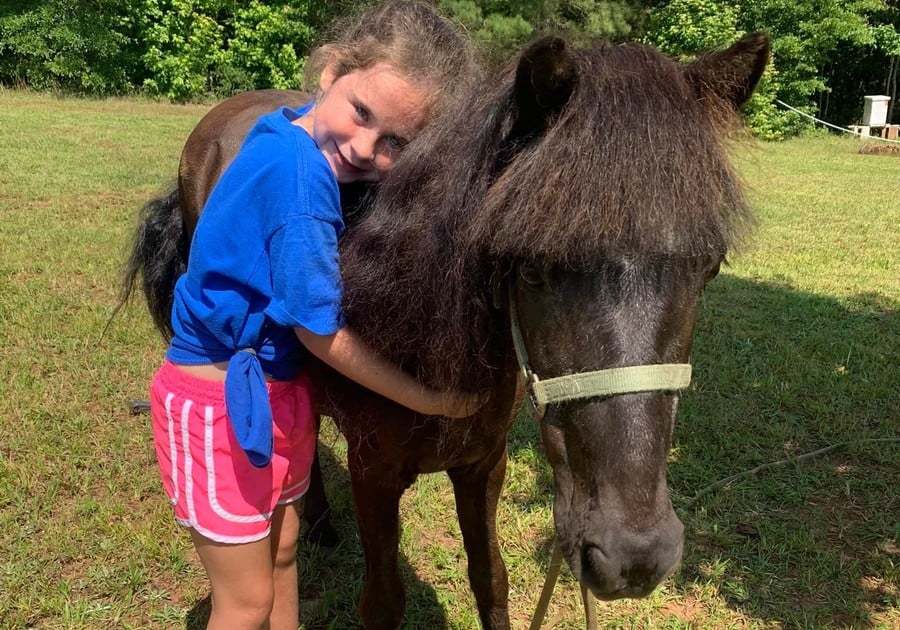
[232, 416]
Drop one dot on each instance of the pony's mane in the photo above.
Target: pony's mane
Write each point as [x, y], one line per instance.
[634, 165]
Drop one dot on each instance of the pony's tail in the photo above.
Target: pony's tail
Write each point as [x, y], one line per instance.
[159, 255]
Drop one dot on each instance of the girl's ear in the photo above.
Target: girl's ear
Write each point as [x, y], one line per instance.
[327, 77]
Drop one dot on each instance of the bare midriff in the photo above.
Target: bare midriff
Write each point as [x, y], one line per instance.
[211, 371]
[208, 371]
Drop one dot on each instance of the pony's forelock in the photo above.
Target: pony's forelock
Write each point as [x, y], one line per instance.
[635, 164]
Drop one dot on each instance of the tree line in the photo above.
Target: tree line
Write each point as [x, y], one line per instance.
[827, 54]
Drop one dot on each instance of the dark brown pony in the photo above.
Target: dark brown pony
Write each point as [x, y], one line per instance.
[590, 188]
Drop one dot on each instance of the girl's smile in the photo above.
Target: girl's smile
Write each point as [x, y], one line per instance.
[348, 168]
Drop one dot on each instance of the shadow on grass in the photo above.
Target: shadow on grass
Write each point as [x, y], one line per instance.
[331, 581]
[777, 373]
[781, 372]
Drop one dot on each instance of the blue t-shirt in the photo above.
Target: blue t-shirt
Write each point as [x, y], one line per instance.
[263, 259]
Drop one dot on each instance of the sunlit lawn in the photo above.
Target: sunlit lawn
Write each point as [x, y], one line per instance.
[798, 348]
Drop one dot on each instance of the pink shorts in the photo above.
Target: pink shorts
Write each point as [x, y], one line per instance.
[210, 481]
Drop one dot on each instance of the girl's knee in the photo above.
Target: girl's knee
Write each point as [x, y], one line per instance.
[244, 608]
[285, 532]
[285, 554]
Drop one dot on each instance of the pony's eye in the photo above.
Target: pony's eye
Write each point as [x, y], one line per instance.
[531, 274]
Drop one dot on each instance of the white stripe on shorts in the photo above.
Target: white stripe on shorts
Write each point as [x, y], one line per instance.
[173, 452]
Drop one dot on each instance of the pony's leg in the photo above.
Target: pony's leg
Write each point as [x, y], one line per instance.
[376, 497]
[477, 491]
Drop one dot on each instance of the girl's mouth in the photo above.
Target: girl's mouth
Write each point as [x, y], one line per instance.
[347, 165]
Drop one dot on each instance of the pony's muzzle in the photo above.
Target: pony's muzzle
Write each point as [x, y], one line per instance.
[625, 563]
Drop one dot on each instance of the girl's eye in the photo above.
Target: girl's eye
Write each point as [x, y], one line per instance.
[394, 143]
[362, 112]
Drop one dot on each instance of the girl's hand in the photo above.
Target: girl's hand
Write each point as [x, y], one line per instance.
[460, 405]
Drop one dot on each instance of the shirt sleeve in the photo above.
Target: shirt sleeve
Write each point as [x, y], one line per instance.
[306, 279]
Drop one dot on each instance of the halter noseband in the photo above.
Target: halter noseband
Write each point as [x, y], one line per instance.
[609, 382]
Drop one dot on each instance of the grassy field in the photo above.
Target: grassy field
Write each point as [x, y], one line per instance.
[798, 348]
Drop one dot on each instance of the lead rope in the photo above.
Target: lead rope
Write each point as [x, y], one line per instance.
[590, 610]
[539, 394]
[549, 584]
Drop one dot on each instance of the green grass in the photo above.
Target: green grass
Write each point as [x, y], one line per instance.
[798, 347]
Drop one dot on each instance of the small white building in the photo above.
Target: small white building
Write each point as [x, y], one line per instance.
[875, 109]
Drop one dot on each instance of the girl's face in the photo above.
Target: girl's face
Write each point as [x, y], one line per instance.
[363, 120]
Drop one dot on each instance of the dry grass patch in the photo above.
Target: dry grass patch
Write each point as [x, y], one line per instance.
[880, 148]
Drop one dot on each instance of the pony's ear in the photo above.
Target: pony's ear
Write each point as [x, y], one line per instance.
[545, 79]
[731, 74]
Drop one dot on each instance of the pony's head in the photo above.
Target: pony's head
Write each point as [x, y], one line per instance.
[614, 211]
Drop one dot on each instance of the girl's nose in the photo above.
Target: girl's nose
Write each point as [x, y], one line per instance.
[366, 146]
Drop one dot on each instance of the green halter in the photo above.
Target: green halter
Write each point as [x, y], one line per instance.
[621, 380]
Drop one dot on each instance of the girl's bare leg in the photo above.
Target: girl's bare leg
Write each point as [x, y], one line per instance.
[285, 531]
[254, 585]
[241, 581]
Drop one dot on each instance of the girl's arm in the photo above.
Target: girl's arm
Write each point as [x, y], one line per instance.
[351, 356]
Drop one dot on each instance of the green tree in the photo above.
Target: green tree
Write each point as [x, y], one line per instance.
[500, 27]
[815, 46]
[686, 28]
[194, 48]
[267, 47]
[184, 42]
[824, 49]
[79, 45]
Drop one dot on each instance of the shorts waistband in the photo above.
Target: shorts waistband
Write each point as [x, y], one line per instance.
[176, 379]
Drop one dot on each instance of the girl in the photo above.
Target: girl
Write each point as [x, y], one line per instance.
[233, 422]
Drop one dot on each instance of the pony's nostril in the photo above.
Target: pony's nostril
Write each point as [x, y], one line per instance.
[600, 571]
[595, 555]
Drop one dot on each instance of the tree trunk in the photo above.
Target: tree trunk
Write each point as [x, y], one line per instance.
[890, 86]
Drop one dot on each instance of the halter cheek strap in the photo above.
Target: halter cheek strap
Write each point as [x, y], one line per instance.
[610, 382]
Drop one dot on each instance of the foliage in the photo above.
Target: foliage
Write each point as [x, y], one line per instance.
[197, 47]
[686, 28]
[811, 42]
[180, 49]
[78, 45]
[268, 43]
[764, 118]
[497, 34]
[183, 45]
[826, 53]
[499, 27]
